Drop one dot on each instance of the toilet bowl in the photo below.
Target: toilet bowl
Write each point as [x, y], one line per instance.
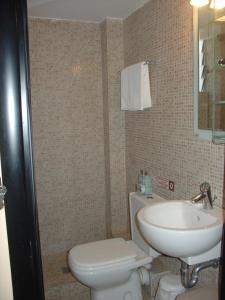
[115, 268]
[111, 272]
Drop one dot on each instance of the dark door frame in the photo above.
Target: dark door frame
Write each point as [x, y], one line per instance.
[222, 266]
[16, 153]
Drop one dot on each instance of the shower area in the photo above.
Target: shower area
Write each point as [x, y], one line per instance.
[78, 141]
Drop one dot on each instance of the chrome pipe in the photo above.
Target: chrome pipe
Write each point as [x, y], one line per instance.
[189, 278]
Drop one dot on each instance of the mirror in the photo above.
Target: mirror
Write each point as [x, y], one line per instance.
[209, 69]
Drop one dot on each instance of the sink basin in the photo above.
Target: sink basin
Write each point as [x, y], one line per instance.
[179, 228]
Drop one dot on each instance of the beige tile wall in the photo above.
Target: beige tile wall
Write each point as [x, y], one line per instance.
[79, 130]
[79, 139]
[68, 137]
[161, 139]
[114, 124]
[103, 29]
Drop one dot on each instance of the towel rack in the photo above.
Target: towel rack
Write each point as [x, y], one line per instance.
[150, 62]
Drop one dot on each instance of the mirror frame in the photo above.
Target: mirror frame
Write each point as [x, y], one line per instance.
[204, 134]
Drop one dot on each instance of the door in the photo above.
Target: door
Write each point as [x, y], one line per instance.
[20, 214]
[6, 291]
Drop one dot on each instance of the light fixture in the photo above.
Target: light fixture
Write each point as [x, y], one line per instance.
[221, 19]
[199, 3]
[217, 4]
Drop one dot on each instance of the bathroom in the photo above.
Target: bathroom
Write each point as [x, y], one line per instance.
[87, 151]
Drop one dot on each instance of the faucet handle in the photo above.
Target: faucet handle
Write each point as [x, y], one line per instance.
[206, 190]
[205, 187]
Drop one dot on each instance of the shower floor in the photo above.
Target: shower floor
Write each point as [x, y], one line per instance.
[59, 282]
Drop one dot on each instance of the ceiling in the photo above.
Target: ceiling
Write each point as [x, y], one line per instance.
[85, 10]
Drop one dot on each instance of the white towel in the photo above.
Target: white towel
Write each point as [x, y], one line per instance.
[135, 87]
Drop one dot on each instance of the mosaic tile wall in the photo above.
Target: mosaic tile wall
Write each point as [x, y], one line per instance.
[81, 138]
[114, 123]
[161, 139]
[68, 136]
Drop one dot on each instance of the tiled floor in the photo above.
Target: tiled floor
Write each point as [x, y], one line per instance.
[59, 282]
[56, 271]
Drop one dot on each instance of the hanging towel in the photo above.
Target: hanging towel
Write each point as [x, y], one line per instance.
[135, 87]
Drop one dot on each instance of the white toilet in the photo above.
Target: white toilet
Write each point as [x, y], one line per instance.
[115, 268]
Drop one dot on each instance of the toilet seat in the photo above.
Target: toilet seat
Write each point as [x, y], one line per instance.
[102, 254]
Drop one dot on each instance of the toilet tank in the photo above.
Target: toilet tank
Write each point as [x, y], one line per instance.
[136, 202]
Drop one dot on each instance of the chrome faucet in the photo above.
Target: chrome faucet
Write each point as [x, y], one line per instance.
[205, 195]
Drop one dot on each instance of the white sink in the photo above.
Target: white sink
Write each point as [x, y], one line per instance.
[179, 228]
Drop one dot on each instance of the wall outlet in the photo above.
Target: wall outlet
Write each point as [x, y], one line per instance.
[164, 183]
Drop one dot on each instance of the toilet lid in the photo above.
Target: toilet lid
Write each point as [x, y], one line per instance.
[102, 253]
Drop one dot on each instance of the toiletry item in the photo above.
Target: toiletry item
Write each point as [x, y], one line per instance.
[147, 181]
[140, 186]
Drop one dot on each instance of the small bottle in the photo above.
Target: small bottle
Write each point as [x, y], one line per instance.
[147, 180]
[140, 185]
